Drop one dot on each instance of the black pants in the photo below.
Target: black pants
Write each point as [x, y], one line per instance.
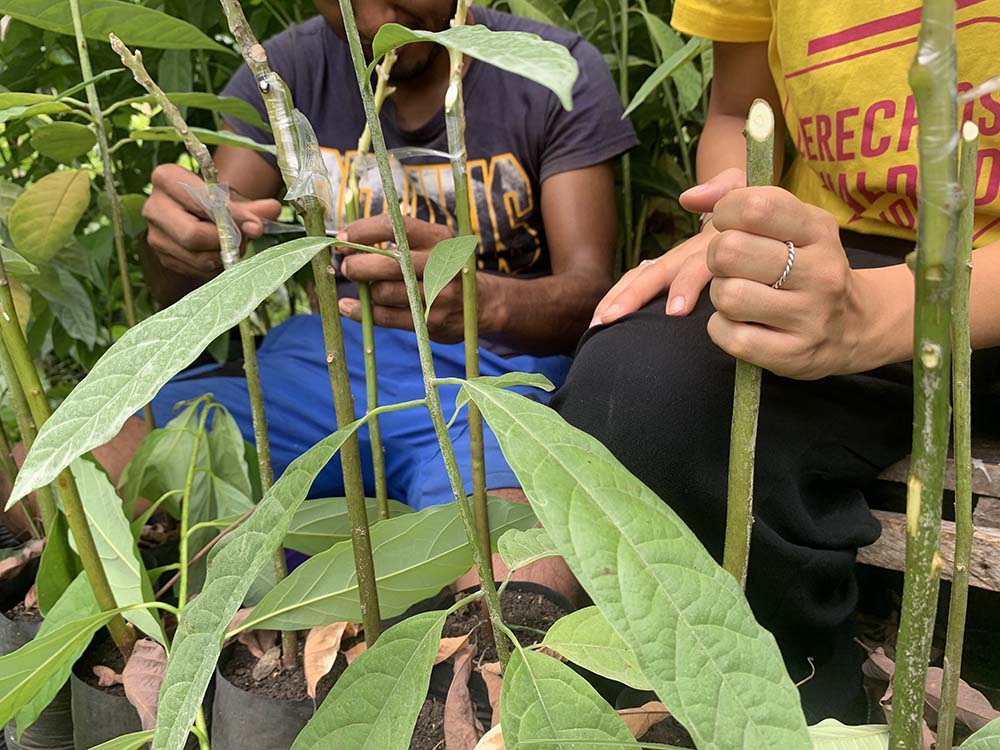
[658, 392]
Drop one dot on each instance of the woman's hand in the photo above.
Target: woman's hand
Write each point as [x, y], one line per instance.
[825, 318]
[682, 270]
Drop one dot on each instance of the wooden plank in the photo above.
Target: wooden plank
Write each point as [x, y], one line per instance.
[987, 513]
[890, 550]
[985, 469]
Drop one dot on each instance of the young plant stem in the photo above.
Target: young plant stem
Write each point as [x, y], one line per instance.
[420, 326]
[229, 249]
[759, 134]
[623, 89]
[454, 115]
[182, 586]
[114, 202]
[933, 78]
[288, 137]
[962, 404]
[352, 209]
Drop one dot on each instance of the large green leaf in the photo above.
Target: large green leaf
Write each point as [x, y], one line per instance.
[375, 703]
[447, 259]
[585, 638]
[518, 52]
[231, 572]
[686, 619]
[987, 738]
[321, 523]
[830, 734]
[44, 216]
[58, 566]
[686, 78]
[519, 548]
[9, 191]
[546, 11]
[116, 546]
[76, 601]
[415, 556]
[211, 137]
[69, 302]
[136, 25]
[224, 105]
[133, 741]
[148, 355]
[543, 699]
[28, 669]
[63, 141]
[17, 105]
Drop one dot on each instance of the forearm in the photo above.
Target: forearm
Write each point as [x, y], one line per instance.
[888, 328]
[540, 316]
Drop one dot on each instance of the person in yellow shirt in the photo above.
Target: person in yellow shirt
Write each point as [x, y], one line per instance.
[653, 378]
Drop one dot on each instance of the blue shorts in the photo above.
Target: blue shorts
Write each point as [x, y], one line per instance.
[299, 406]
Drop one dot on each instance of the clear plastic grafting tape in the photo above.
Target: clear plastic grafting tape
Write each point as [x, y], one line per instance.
[215, 200]
[366, 163]
[311, 179]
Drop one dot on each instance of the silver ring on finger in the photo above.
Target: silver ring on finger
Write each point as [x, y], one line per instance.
[788, 266]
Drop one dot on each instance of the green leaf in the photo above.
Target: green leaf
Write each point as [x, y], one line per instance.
[546, 11]
[585, 638]
[117, 547]
[518, 52]
[375, 703]
[987, 738]
[224, 105]
[507, 380]
[686, 619]
[69, 302]
[830, 734]
[231, 571]
[136, 25]
[685, 55]
[58, 566]
[18, 105]
[63, 141]
[175, 72]
[133, 741]
[210, 137]
[447, 259]
[686, 78]
[226, 453]
[520, 548]
[44, 216]
[75, 602]
[134, 369]
[17, 265]
[415, 556]
[543, 699]
[321, 523]
[27, 670]
[9, 191]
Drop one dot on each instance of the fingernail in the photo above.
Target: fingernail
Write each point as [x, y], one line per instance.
[348, 306]
[250, 227]
[676, 306]
[596, 321]
[696, 190]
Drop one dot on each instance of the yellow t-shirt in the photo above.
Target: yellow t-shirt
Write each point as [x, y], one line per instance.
[841, 71]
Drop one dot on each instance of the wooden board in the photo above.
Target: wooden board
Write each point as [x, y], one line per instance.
[985, 469]
[890, 549]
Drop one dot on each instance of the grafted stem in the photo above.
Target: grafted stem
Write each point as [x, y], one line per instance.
[291, 143]
[420, 327]
[933, 78]
[759, 134]
[962, 405]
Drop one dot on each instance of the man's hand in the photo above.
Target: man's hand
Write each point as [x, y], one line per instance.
[184, 240]
[391, 308]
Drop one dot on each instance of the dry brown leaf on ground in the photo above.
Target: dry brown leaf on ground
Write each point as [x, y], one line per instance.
[461, 728]
[11, 566]
[494, 684]
[972, 708]
[640, 719]
[142, 678]
[492, 740]
[322, 647]
[355, 651]
[238, 619]
[106, 676]
[267, 665]
[258, 642]
[31, 598]
[448, 647]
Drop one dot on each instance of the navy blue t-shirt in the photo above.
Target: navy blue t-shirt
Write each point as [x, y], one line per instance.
[518, 134]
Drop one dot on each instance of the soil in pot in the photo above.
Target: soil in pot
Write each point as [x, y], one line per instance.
[269, 712]
[53, 729]
[429, 732]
